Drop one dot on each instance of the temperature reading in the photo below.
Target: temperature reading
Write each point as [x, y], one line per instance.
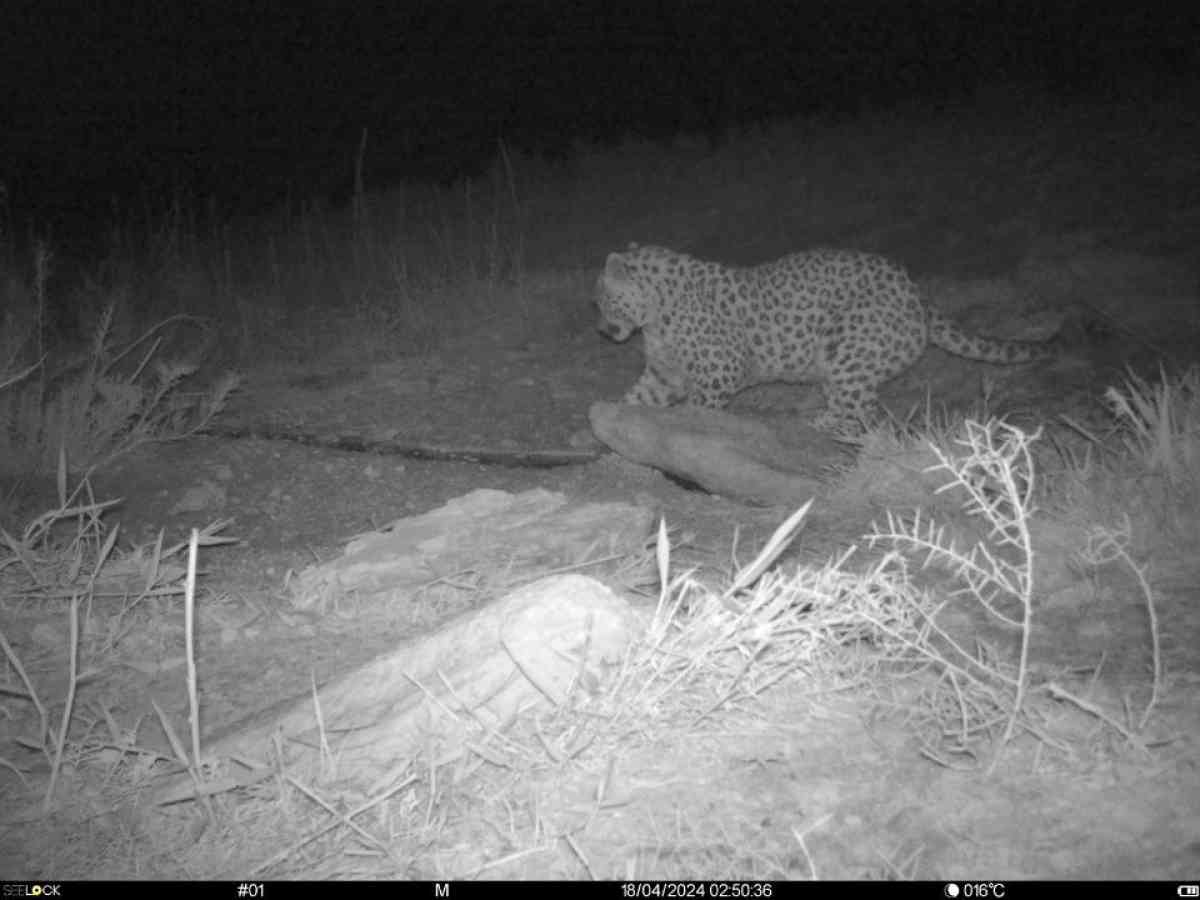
[984, 890]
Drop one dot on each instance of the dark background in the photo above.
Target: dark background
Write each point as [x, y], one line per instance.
[245, 104]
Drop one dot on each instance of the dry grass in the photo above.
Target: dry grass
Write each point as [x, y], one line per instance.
[705, 654]
[93, 406]
[709, 653]
[1160, 425]
[1146, 466]
[67, 559]
[401, 268]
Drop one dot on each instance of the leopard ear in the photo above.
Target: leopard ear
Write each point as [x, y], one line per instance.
[615, 268]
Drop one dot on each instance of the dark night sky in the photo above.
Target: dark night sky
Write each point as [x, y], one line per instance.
[239, 100]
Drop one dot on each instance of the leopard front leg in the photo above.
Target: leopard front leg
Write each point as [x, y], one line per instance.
[656, 387]
[852, 402]
[708, 376]
[850, 410]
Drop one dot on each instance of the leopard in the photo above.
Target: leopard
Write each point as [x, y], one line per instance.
[849, 320]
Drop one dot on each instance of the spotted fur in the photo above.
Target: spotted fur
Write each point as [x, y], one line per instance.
[846, 319]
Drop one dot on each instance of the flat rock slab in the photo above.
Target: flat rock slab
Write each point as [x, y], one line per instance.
[724, 453]
[532, 532]
[431, 696]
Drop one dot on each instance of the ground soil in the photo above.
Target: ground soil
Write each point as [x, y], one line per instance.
[801, 786]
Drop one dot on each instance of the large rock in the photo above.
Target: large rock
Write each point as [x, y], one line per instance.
[429, 697]
[534, 532]
[723, 453]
